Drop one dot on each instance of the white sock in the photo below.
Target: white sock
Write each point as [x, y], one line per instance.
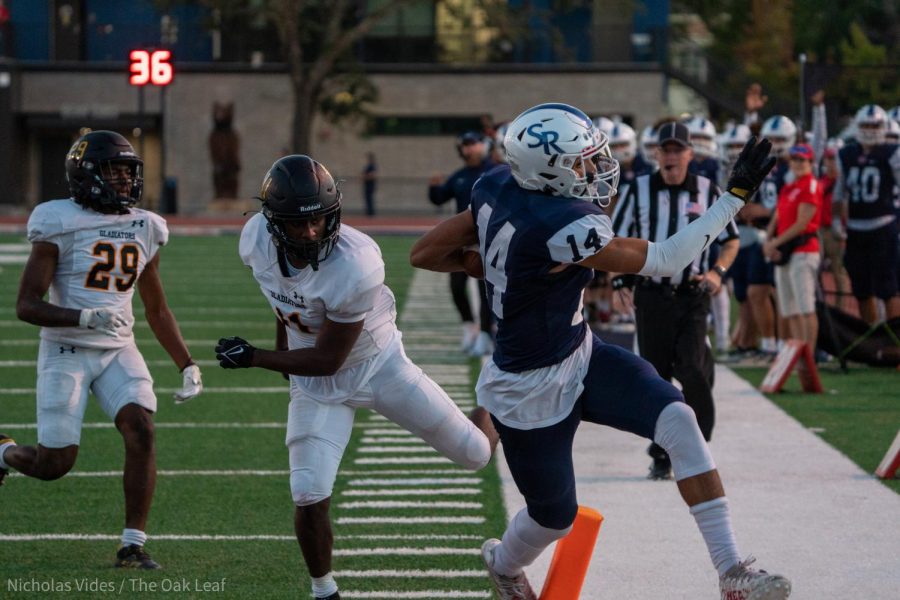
[324, 586]
[133, 537]
[714, 521]
[523, 541]
[768, 344]
[3, 449]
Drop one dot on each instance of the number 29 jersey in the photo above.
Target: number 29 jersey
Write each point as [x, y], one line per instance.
[524, 236]
[101, 257]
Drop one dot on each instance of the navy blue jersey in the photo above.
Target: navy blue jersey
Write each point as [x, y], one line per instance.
[523, 236]
[767, 195]
[870, 179]
[707, 167]
[459, 186]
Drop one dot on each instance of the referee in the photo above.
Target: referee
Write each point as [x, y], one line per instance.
[671, 313]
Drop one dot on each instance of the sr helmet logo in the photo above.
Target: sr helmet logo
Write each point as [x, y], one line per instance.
[547, 139]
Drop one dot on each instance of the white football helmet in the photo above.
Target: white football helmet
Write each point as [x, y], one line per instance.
[733, 140]
[545, 143]
[649, 143]
[871, 125]
[623, 142]
[782, 132]
[894, 114]
[703, 136]
[604, 124]
[892, 135]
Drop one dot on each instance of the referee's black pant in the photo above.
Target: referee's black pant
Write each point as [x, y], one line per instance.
[671, 333]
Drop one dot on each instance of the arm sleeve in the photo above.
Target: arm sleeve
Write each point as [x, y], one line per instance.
[819, 131]
[670, 257]
[731, 230]
[837, 193]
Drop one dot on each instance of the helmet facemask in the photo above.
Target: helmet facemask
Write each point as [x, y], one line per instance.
[595, 186]
[95, 184]
[312, 252]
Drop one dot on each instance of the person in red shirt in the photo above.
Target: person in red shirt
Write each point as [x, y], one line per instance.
[793, 245]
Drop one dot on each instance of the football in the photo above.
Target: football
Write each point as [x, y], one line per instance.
[472, 263]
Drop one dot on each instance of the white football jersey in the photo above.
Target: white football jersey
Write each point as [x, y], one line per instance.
[101, 257]
[347, 288]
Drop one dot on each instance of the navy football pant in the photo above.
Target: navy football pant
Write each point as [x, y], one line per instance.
[621, 390]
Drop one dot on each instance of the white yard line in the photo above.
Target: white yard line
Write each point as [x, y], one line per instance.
[407, 552]
[387, 504]
[410, 520]
[421, 594]
[395, 449]
[415, 481]
[428, 460]
[430, 573]
[90, 537]
[458, 491]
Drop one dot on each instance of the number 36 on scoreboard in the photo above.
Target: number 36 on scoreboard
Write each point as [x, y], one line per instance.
[150, 66]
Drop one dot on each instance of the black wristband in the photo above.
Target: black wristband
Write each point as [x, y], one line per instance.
[720, 270]
[190, 361]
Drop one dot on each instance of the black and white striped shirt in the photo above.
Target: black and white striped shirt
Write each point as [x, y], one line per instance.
[647, 211]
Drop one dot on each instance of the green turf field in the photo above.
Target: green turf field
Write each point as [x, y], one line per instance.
[234, 433]
[223, 463]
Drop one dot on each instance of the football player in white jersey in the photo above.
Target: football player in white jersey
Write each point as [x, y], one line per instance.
[339, 344]
[90, 251]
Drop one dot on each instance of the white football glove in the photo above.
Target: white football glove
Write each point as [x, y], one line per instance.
[191, 385]
[104, 320]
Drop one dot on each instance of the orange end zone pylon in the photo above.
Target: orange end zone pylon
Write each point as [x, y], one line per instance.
[572, 557]
[891, 461]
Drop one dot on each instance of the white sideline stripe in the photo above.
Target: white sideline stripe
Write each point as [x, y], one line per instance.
[409, 520]
[38, 537]
[462, 491]
[162, 425]
[422, 594]
[34, 342]
[417, 481]
[435, 573]
[168, 390]
[396, 449]
[409, 504]
[399, 439]
[408, 551]
[402, 460]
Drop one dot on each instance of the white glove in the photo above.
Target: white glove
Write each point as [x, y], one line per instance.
[104, 320]
[191, 385]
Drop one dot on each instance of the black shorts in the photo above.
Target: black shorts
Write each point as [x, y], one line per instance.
[871, 260]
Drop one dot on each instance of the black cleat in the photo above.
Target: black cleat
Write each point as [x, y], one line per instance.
[660, 470]
[4, 439]
[334, 596]
[134, 557]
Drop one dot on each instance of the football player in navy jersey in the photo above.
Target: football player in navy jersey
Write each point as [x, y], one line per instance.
[868, 173]
[476, 339]
[540, 229]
